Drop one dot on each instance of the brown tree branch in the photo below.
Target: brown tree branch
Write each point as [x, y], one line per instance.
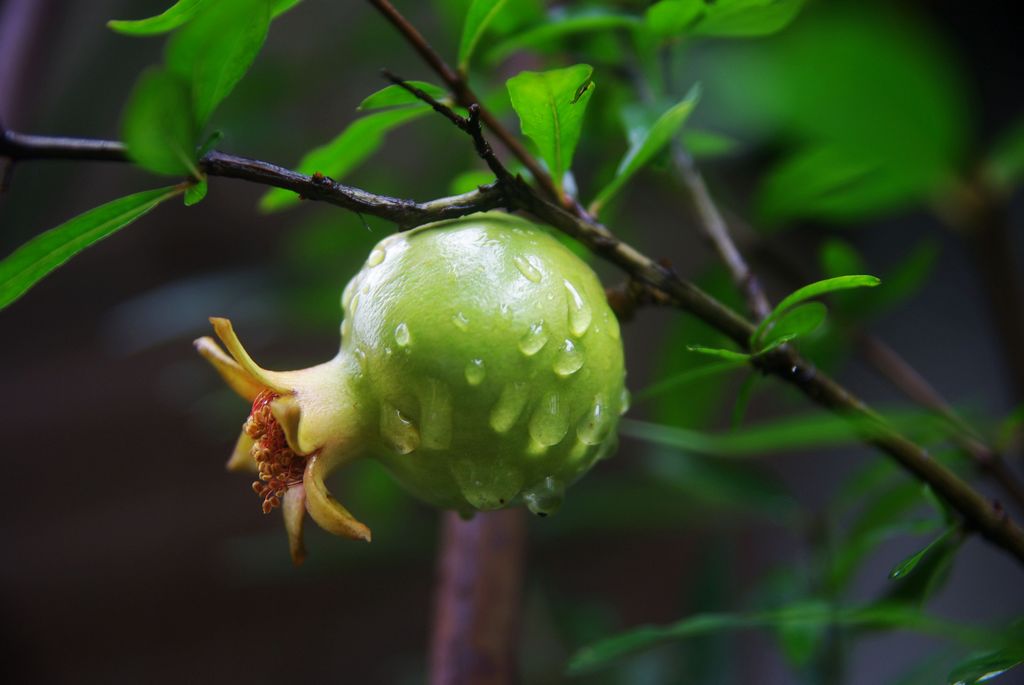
[19, 146]
[986, 517]
[465, 96]
[716, 230]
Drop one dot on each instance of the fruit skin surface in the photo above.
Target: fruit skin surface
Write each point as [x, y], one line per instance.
[480, 363]
[491, 360]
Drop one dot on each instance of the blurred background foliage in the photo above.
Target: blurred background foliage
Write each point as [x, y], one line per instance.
[758, 538]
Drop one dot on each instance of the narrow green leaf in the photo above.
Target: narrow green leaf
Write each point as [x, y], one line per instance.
[158, 126]
[351, 147]
[719, 352]
[982, 668]
[799, 320]
[677, 381]
[808, 614]
[647, 145]
[910, 563]
[921, 575]
[176, 15]
[478, 18]
[395, 95]
[27, 265]
[792, 433]
[550, 105]
[552, 31]
[743, 397]
[215, 50]
[807, 292]
[170, 19]
[195, 193]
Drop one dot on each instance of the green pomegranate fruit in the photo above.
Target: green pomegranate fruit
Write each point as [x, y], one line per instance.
[479, 363]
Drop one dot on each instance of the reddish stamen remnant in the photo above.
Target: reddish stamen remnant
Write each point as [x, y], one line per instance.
[279, 466]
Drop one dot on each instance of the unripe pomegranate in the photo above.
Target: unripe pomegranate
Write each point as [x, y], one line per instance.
[479, 363]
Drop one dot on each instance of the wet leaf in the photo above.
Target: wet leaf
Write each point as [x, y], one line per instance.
[551, 105]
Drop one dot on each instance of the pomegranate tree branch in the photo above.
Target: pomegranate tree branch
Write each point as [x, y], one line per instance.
[980, 514]
[20, 147]
[716, 230]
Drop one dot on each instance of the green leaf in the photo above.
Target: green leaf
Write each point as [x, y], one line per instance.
[799, 320]
[985, 667]
[910, 563]
[395, 95]
[806, 614]
[195, 193]
[158, 126]
[836, 183]
[792, 433]
[807, 292]
[170, 19]
[747, 18]
[351, 147]
[820, 84]
[673, 17]
[176, 15]
[1005, 164]
[550, 105]
[721, 353]
[215, 50]
[921, 575]
[478, 18]
[704, 144]
[647, 145]
[552, 31]
[27, 265]
[690, 375]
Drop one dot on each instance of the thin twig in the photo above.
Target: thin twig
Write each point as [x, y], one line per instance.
[717, 231]
[465, 96]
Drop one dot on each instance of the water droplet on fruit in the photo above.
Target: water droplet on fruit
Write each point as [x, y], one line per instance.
[397, 430]
[346, 326]
[579, 311]
[534, 340]
[594, 425]
[460, 321]
[545, 497]
[528, 270]
[353, 303]
[550, 420]
[402, 334]
[579, 450]
[487, 484]
[569, 360]
[475, 372]
[509, 406]
[376, 256]
[435, 414]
